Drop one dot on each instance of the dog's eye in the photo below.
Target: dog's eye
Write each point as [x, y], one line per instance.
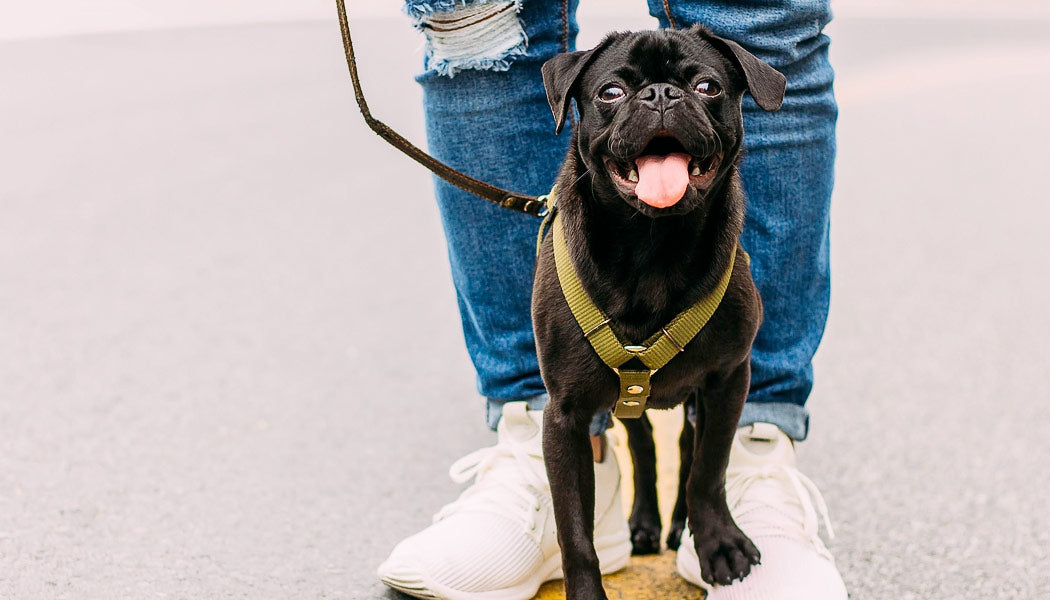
[611, 93]
[707, 88]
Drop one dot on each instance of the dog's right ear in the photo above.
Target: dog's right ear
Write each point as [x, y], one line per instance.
[560, 75]
[766, 84]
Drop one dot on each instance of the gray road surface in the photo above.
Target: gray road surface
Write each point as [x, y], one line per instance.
[209, 268]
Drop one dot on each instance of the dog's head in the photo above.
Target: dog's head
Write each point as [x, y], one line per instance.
[660, 121]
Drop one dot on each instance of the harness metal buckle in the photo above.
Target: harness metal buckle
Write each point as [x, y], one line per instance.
[593, 330]
[671, 339]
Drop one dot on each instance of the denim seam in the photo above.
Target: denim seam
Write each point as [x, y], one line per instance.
[565, 26]
[565, 48]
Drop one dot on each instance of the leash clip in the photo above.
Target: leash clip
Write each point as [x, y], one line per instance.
[549, 200]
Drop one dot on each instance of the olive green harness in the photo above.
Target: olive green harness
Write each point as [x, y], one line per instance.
[654, 352]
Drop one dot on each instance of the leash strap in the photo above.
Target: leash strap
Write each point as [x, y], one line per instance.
[532, 205]
[655, 352]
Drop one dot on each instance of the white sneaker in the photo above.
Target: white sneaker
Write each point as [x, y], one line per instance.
[498, 540]
[774, 505]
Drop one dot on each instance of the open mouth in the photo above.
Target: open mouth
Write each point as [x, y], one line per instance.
[662, 173]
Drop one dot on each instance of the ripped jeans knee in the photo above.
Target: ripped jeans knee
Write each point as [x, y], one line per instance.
[478, 34]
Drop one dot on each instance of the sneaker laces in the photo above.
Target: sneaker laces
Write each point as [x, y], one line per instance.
[756, 490]
[506, 482]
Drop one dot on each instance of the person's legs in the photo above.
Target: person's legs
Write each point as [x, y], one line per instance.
[487, 115]
[787, 172]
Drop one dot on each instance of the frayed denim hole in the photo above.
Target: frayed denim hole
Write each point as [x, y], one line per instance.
[480, 35]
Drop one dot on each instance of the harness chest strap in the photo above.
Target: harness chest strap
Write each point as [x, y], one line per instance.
[654, 352]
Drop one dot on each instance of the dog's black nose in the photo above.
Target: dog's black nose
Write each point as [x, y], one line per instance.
[660, 96]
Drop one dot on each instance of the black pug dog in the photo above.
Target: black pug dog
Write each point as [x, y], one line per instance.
[651, 209]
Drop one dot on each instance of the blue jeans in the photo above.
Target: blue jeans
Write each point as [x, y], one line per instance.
[487, 115]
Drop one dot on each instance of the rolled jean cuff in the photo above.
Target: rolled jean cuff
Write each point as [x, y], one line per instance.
[792, 419]
[494, 410]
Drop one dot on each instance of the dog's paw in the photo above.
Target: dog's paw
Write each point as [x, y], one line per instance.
[645, 541]
[645, 532]
[725, 552]
[674, 534]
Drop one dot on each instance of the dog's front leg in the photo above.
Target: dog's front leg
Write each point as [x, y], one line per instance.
[568, 457]
[645, 513]
[725, 552]
[685, 465]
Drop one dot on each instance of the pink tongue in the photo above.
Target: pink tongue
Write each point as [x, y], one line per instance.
[662, 180]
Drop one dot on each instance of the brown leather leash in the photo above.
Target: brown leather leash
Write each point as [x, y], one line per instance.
[533, 205]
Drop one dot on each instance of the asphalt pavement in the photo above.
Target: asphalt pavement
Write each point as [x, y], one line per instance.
[230, 357]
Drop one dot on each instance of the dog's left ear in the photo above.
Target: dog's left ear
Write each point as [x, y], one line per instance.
[560, 75]
[765, 83]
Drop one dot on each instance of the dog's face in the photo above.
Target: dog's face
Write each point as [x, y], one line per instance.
[660, 121]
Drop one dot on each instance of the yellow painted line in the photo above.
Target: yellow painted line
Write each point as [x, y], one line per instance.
[646, 577]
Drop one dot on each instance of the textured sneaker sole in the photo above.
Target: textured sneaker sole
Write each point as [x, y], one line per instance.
[613, 555]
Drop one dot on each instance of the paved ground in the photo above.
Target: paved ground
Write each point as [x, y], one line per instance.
[208, 267]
